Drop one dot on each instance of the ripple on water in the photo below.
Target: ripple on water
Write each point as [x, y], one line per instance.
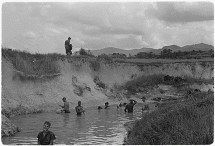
[104, 127]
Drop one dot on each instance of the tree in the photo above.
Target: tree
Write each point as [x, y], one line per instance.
[166, 53]
[83, 52]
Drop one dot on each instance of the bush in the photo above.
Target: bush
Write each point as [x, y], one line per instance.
[105, 57]
[95, 65]
[35, 65]
[188, 122]
[83, 52]
[143, 81]
[101, 85]
[151, 80]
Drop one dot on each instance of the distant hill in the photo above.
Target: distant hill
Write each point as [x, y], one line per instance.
[174, 48]
[196, 47]
[111, 50]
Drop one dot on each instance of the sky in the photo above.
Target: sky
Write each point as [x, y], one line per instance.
[43, 27]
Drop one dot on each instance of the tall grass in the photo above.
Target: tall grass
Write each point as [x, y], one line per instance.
[94, 65]
[143, 81]
[191, 80]
[186, 122]
[33, 64]
[152, 80]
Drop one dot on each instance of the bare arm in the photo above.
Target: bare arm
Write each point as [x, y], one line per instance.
[125, 108]
[51, 142]
[82, 109]
[134, 102]
[61, 105]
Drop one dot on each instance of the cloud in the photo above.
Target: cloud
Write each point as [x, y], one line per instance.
[179, 12]
[30, 35]
[96, 25]
[179, 34]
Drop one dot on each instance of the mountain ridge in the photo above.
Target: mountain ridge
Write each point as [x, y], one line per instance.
[174, 48]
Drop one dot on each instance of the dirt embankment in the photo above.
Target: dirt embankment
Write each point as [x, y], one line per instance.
[77, 80]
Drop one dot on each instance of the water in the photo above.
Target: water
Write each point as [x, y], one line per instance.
[96, 127]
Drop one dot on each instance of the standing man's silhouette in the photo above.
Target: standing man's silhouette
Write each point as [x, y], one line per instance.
[68, 46]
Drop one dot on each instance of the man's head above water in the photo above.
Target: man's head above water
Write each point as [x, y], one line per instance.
[64, 99]
[46, 126]
[79, 103]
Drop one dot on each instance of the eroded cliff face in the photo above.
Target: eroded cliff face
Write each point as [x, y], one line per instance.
[123, 72]
[8, 128]
[76, 81]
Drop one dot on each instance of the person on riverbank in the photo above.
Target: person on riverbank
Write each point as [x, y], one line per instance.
[46, 137]
[79, 109]
[68, 46]
[65, 106]
[129, 107]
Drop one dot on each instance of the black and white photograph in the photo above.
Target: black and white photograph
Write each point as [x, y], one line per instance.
[107, 72]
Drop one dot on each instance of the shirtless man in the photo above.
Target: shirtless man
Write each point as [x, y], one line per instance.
[79, 109]
[65, 106]
[129, 107]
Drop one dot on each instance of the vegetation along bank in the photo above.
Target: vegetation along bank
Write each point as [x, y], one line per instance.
[33, 83]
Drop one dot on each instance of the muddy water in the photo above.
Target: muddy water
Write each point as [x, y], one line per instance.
[96, 127]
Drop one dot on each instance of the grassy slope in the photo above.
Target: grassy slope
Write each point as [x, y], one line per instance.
[185, 122]
[32, 64]
[37, 65]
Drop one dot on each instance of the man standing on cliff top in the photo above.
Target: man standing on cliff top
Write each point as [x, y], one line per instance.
[68, 46]
[129, 107]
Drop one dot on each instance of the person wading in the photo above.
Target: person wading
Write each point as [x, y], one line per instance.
[46, 137]
[79, 109]
[65, 106]
[129, 107]
[106, 105]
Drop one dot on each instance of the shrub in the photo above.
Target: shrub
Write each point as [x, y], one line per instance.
[83, 52]
[151, 80]
[95, 65]
[105, 58]
[143, 81]
[101, 85]
[183, 123]
[192, 80]
[32, 65]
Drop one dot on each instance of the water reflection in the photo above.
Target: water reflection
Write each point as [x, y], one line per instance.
[79, 122]
[66, 118]
[130, 116]
[96, 127]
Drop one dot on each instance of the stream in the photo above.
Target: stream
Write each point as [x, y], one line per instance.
[95, 127]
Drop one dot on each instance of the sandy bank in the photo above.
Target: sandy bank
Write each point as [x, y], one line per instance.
[76, 82]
